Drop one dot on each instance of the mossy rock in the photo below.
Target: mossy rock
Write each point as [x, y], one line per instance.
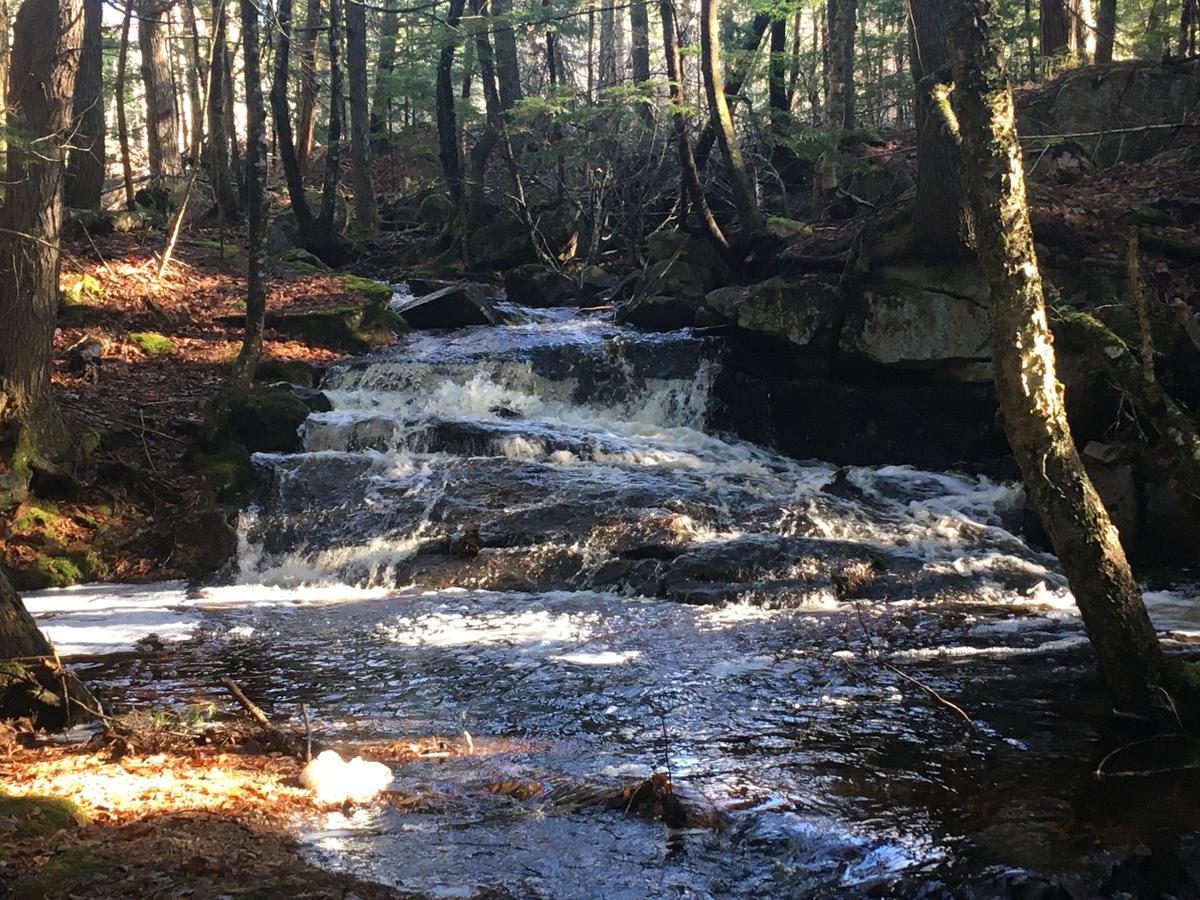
[79, 290]
[36, 514]
[152, 343]
[293, 371]
[436, 210]
[783, 227]
[34, 816]
[207, 542]
[60, 568]
[376, 291]
[303, 262]
[224, 468]
[270, 419]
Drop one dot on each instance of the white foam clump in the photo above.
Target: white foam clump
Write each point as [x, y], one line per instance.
[335, 781]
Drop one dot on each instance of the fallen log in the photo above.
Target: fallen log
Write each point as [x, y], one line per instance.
[275, 737]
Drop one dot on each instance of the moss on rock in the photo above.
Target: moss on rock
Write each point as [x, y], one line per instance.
[34, 816]
[152, 343]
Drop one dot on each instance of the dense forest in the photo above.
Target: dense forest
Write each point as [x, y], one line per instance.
[714, 358]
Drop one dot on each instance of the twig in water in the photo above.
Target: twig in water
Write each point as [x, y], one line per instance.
[307, 733]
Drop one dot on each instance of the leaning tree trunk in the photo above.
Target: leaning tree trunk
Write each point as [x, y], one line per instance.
[45, 56]
[307, 120]
[941, 226]
[1106, 30]
[366, 213]
[508, 69]
[1031, 400]
[85, 164]
[739, 72]
[162, 137]
[750, 217]
[693, 190]
[381, 102]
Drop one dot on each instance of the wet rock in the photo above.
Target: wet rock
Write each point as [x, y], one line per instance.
[270, 419]
[668, 294]
[207, 542]
[535, 285]
[456, 306]
[803, 313]
[348, 328]
[292, 371]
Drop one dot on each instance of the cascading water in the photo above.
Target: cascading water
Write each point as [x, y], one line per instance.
[536, 535]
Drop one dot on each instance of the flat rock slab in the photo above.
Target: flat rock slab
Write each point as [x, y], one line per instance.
[456, 306]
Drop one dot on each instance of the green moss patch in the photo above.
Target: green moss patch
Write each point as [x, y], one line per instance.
[36, 514]
[79, 290]
[152, 343]
[373, 290]
[225, 251]
[32, 817]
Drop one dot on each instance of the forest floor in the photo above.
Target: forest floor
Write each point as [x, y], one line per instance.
[204, 814]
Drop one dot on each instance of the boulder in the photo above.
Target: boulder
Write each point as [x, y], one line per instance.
[1096, 99]
[436, 210]
[269, 421]
[456, 306]
[292, 371]
[917, 316]
[535, 285]
[803, 313]
[501, 244]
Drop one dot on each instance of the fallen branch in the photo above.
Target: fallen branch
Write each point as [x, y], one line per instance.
[275, 737]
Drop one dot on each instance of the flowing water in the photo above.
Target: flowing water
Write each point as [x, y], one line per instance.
[535, 540]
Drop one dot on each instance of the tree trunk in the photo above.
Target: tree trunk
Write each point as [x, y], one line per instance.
[196, 75]
[283, 122]
[777, 92]
[1030, 396]
[606, 70]
[739, 72]
[366, 213]
[229, 118]
[162, 138]
[1059, 30]
[687, 163]
[751, 220]
[220, 171]
[508, 70]
[4, 54]
[323, 231]
[1106, 30]
[1187, 28]
[842, 18]
[122, 121]
[242, 372]
[85, 164]
[639, 55]
[447, 119]
[307, 121]
[19, 635]
[45, 56]
[381, 102]
[941, 227]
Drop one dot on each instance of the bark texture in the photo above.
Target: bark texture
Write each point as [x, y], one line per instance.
[366, 212]
[842, 19]
[1030, 395]
[219, 151]
[122, 121]
[750, 217]
[1106, 30]
[1059, 29]
[45, 56]
[447, 118]
[323, 230]
[85, 164]
[162, 137]
[606, 69]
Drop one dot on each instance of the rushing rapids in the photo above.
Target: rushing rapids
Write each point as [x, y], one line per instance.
[536, 539]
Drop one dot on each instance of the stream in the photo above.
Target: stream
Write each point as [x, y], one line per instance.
[538, 540]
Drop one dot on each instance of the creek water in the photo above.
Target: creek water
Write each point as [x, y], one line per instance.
[538, 536]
